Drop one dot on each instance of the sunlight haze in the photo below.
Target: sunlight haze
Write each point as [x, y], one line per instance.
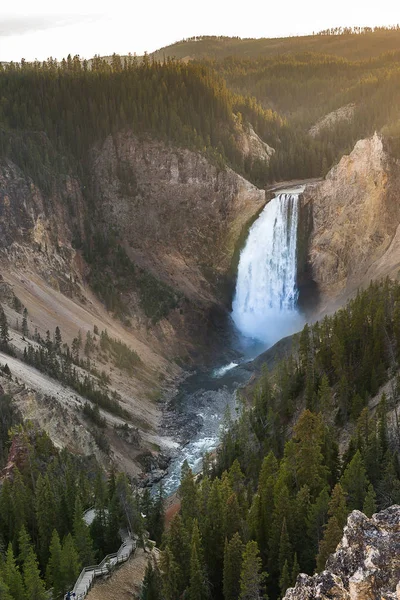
[88, 28]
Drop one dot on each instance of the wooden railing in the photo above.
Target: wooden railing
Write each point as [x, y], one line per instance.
[108, 563]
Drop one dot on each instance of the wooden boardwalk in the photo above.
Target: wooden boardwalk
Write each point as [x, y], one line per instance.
[88, 574]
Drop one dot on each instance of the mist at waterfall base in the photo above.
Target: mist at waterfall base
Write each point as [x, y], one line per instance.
[264, 311]
[265, 303]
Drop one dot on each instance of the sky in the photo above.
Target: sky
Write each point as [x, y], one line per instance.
[42, 28]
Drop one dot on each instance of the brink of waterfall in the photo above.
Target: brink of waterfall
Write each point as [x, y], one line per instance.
[265, 303]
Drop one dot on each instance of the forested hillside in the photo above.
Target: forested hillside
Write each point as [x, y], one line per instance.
[77, 107]
[305, 87]
[199, 103]
[304, 78]
[276, 500]
[353, 43]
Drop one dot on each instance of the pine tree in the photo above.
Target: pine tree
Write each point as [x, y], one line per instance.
[34, 585]
[355, 482]
[57, 340]
[324, 394]
[285, 579]
[382, 426]
[53, 571]
[266, 484]
[82, 539]
[198, 587]
[337, 505]
[214, 537]
[45, 515]
[283, 510]
[4, 336]
[24, 545]
[12, 576]
[25, 329]
[232, 520]
[332, 536]
[179, 544]
[232, 567]
[251, 577]
[300, 513]
[21, 497]
[285, 548]
[151, 587]
[171, 575]
[317, 518]
[89, 344]
[188, 494]
[4, 591]
[370, 506]
[295, 570]
[157, 517]
[308, 434]
[111, 524]
[70, 565]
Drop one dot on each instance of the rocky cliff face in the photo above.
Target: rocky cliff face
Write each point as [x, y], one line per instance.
[37, 228]
[340, 115]
[365, 566]
[356, 215]
[176, 214]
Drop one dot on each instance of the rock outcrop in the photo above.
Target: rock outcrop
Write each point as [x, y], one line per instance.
[37, 228]
[365, 566]
[356, 215]
[340, 115]
[251, 145]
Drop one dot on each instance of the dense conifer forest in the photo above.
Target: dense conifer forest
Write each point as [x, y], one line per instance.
[348, 42]
[76, 107]
[44, 539]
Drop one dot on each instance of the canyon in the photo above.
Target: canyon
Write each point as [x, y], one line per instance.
[178, 218]
[182, 222]
[166, 231]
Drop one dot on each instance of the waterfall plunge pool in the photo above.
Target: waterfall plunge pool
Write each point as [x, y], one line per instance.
[264, 311]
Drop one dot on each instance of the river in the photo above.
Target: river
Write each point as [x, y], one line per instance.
[264, 311]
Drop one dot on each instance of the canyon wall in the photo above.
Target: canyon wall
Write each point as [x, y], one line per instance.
[355, 222]
[176, 213]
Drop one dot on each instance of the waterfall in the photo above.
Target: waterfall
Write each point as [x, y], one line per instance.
[264, 307]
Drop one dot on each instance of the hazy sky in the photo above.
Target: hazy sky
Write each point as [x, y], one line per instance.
[43, 28]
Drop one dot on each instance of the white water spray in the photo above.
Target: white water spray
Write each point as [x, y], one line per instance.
[265, 302]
